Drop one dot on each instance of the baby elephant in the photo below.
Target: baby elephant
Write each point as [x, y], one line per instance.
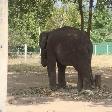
[67, 46]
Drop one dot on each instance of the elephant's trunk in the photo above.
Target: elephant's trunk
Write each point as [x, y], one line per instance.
[44, 57]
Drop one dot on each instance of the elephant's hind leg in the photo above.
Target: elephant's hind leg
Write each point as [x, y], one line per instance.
[61, 76]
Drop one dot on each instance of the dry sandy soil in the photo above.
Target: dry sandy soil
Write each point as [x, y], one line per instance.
[23, 76]
[62, 106]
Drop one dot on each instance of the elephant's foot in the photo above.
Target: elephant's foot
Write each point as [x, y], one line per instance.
[79, 87]
[87, 84]
[53, 88]
[79, 84]
[61, 86]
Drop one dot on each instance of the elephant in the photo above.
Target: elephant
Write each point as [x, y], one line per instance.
[67, 46]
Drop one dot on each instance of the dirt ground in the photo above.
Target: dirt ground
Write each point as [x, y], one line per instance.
[30, 74]
[62, 106]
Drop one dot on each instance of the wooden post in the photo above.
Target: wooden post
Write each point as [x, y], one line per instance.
[25, 52]
[98, 81]
[3, 53]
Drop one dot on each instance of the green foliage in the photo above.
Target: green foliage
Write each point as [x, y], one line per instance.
[67, 15]
[101, 4]
[25, 17]
[102, 26]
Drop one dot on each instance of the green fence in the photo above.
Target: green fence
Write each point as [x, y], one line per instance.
[102, 48]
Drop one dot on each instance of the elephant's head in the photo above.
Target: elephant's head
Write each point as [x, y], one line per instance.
[43, 43]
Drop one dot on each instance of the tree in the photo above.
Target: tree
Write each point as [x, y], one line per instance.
[81, 14]
[90, 17]
[66, 15]
[81, 7]
[25, 16]
[3, 53]
[102, 22]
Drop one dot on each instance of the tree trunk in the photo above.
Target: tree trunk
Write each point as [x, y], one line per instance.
[3, 53]
[81, 14]
[90, 17]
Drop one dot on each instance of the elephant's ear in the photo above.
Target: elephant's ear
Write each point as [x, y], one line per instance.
[43, 40]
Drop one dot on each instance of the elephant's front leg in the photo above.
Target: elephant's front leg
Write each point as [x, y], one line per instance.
[61, 76]
[80, 81]
[51, 67]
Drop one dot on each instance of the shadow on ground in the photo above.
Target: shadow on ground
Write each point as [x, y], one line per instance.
[28, 85]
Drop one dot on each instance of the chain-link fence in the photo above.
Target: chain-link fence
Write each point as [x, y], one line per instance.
[25, 70]
[104, 48]
[22, 51]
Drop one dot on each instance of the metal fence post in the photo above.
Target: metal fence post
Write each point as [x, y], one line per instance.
[39, 34]
[95, 49]
[38, 40]
[107, 49]
[40, 51]
[3, 53]
[25, 52]
[39, 30]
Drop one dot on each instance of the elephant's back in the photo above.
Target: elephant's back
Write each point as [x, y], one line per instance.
[67, 44]
[69, 34]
